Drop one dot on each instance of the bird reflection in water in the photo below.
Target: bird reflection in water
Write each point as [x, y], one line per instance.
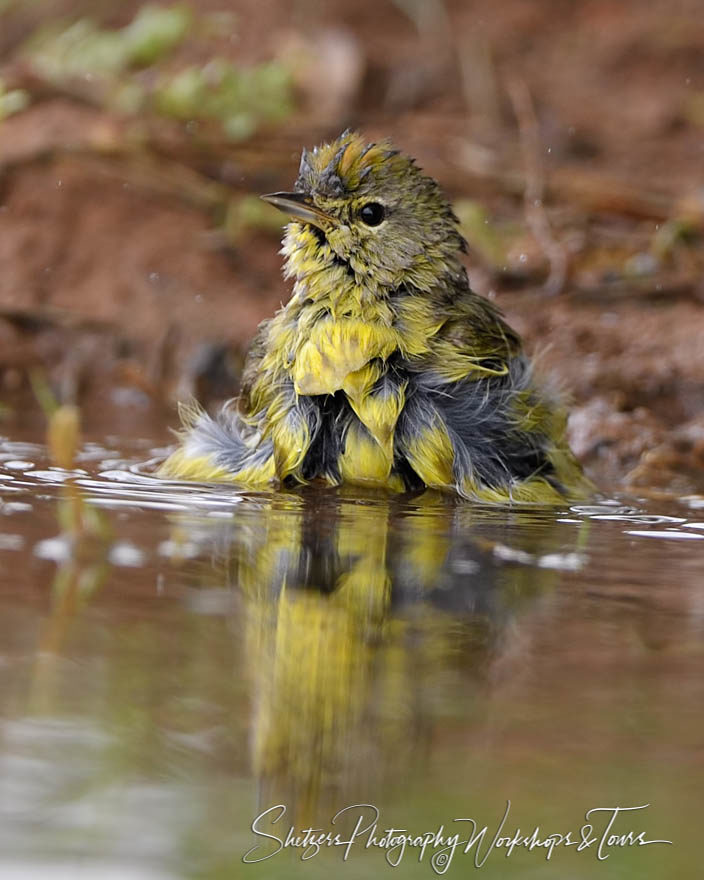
[359, 610]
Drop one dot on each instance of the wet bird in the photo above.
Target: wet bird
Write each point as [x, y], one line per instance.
[384, 368]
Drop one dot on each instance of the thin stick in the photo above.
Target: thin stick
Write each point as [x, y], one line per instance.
[533, 193]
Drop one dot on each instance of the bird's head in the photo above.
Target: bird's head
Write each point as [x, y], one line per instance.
[372, 208]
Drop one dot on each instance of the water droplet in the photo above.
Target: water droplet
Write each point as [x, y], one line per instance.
[178, 549]
[11, 542]
[126, 554]
[562, 561]
[672, 534]
[56, 549]
[510, 554]
[10, 507]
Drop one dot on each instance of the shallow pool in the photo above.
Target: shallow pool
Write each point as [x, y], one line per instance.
[197, 661]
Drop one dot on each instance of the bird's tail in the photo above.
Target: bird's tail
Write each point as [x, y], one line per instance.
[219, 449]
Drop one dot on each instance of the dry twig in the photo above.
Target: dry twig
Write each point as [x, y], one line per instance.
[533, 194]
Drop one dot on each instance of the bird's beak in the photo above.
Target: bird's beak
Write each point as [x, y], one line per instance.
[300, 206]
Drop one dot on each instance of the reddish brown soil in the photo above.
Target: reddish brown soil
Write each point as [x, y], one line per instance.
[116, 276]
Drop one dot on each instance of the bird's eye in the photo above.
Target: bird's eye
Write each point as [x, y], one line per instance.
[372, 213]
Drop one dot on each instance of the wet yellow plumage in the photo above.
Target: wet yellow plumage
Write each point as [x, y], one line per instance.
[383, 368]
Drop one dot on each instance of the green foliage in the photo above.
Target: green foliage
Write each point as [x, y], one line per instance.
[238, 97]
[84, 49]
[676, 231]
[155, 31]
[12, 101]
[251, 213]
[110, 63]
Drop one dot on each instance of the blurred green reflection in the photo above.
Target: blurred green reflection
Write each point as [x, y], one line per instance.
[355, 610]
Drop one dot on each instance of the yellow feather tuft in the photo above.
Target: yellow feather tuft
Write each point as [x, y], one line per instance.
[181, 466]
[291, 438]
[189, 412]
[351, 156]
[379, 412]
[334, 350]
[257, 475]
[532, 491]
[364, 462]
[431, 456]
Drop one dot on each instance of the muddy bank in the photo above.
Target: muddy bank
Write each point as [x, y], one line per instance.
[135, 265]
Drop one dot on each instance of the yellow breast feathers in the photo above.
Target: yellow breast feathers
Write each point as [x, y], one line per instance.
[335, 351]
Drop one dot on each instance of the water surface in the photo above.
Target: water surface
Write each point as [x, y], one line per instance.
[201, 655]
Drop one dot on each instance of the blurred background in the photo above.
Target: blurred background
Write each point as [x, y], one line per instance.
[174, 658]
[136, 259]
